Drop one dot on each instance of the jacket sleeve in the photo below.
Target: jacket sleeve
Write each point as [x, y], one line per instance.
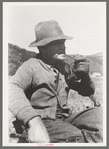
[85, 87]
[19, 104]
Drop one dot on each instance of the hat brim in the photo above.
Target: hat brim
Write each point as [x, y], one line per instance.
[48, 40]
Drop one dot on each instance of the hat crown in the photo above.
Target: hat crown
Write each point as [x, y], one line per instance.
[47, 29]
[46, 32]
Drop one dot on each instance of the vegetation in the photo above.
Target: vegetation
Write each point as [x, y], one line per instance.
[16, 56]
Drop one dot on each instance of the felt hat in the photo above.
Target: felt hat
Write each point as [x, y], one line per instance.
[46, 32]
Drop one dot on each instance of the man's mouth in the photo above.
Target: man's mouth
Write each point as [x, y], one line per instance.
[59, 56]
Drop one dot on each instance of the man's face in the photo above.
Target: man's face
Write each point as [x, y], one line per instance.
[55, 51]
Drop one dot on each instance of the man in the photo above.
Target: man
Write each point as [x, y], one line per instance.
[39, 94]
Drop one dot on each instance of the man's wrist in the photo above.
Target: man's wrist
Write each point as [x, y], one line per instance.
[34, 120]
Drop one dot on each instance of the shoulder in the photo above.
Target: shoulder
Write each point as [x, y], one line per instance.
[28, 66]
[32, 62]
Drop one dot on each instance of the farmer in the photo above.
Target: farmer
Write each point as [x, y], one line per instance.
[39, 94]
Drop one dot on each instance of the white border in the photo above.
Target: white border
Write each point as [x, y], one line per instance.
[5, 78]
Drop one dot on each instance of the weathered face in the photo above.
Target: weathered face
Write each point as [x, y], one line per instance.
[55, 51]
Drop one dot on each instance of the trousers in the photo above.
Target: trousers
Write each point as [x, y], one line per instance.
[82, 127]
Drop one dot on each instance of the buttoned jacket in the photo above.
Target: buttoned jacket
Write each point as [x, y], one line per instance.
[35, 90]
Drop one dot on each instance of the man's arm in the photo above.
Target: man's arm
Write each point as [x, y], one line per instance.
[20, 106]
[84, 87]
[37, 131]
[78, 77]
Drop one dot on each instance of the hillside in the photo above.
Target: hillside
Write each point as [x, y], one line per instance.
[18, 55]
[96, 61]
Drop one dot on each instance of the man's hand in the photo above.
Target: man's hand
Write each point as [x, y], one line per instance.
[37, 132]
[81, 67]
[87, 86]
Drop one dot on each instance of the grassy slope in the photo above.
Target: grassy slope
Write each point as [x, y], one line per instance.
[16, 57]
[96, 62]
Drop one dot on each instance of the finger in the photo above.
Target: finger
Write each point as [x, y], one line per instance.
[82, 64]
[80, 60]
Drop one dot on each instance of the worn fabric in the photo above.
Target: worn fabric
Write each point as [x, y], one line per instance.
[81, 127]
[35, 90]
[60, 131]
[39, 89]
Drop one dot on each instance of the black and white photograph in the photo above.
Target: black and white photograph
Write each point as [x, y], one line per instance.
[54, 74]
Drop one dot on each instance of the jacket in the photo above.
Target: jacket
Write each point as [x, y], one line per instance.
[35, 90]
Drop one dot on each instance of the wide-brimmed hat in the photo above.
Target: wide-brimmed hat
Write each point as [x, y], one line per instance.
[46, 32]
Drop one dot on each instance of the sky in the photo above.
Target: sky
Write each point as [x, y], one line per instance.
[84, 21]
